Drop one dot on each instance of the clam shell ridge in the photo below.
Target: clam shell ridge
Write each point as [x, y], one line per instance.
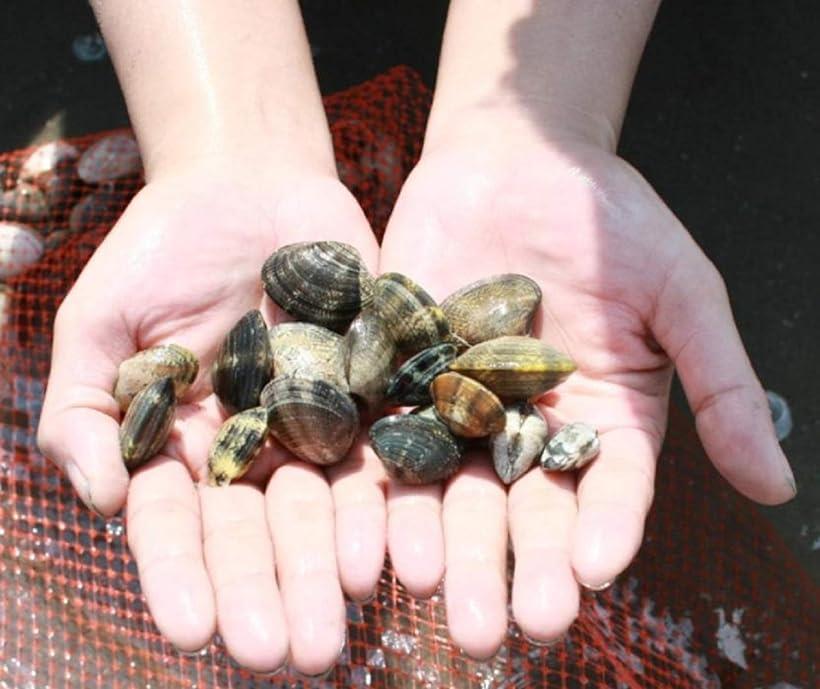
[411, 383]
[370, 355]
[416, 449]
[466, 406]
[236, 445]
[305, 350]
[572, 447]
[313, 419]
[520, 443]
[325, 283]
[243, 364]
[515, 367]
[494, 307]
[150, 365]
[147, 423]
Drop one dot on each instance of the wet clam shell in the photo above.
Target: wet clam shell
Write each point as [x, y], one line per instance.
[94, 208]
[20, 247]
[243, 364]
[45, 159]
[313, 419]
[150, 365]
[325, 283]
[310, 351]
[520, 443]
[236, 445]
[515, 367]
[410, 385]
[572, 447]
[416, 448]
[370, 357]
[466, 406]
[494, 307]
[25, 202]
[412, 316]
[110, 158]
[147, 423]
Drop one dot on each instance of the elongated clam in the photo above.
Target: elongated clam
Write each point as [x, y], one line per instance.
[515, 367]
[112, 157]
[411, 383]
[150, 365]
[415, 448]
[147, 423]
[572, 447]
[243, 364]
[494, 307]
[305, 350]
[313, 419]
[411, 314]
[466, 406]
[319, 282]
[520, 443]
[236, 445]
[370, 356]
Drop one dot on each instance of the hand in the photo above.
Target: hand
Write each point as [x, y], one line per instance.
[183, 265]
[628, 294]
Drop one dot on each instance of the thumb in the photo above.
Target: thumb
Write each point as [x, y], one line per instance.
[693, 322]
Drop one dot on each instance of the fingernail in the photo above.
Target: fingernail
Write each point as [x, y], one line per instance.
[282, 668]
[81, 486]
[595, 588]
[543, 644]
[193, 654]
[790, 479]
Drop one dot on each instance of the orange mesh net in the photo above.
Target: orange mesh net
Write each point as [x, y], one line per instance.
[714, 599]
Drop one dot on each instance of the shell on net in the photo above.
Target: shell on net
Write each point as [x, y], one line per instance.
[572, 447]
[515, 367]
[25, 203]
[370, 357]
[416, 448]
[325, 283]
[243, 364]
[236, 445]
[20, 247]
[410, 385]
[45, 159]
[520, 443]
[411, 314]
[150, 365]
[147, 423]
[493, 307]
[466, 406]
[313, 419]
[304, 350]
[110, 158]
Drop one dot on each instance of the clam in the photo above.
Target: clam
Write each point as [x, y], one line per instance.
[313, 419]
[236, 445]
[411, 383]
[411, 314]
[150, 365]
[516, 447]
[305, 350]
[25, 203]
[466, 406]
[370, 355]
[415, 448]
[494, 307]
[20, 247]
[110, 158]
[243, 364]
[45, 159]
[515, 367]
[572, 447]
[94, 208]
[325, 283]
[147, 423]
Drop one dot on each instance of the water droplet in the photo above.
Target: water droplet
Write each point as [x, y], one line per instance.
[375, 658]
[115, 527]
[359, 676]
[89, 47]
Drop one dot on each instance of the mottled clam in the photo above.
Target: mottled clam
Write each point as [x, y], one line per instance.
[236, 445]
[305, 350]
[520, 443]
[150, 365]
[572, 447]
[147, 423]
[411, 383]
[370, 355]
[466, 406]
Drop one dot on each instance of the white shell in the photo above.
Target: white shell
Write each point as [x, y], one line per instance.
[20, 247]
[44, 159]
[110, 158]
[573, 447]
[520, 443]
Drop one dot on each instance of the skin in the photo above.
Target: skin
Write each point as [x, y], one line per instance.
[238, 162]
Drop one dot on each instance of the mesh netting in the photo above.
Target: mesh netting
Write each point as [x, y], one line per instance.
[714, 599]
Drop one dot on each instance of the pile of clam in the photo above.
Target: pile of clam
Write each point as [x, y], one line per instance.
[468, 367]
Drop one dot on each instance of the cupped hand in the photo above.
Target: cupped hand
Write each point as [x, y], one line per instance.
[183, 265]
[626, 292]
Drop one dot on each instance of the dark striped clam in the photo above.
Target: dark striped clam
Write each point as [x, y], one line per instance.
[243, 364]
[466, 406]
[416, 448]
[313, 419]
[370, 356]
[410, 385]
[236, 445]
[494, 307]
[147, 423]
[150, 365]
[325, 283]
[515, 367]
[305, 350]
[520, 443]
[572, 447]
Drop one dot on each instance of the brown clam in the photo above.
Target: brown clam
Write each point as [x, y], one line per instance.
[370, 356]
[466, 406]
[305, 350]
[236, 445]
[150, 365]
[147, 423]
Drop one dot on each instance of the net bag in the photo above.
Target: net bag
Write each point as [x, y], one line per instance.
[714, 599]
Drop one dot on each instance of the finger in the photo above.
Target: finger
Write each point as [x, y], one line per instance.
[475, 537]
[542, 510]
[693, 323]
[361, 520]
[239, 557]
[414, 536]
[614, 496]
[164, 534]
[300, 517]
[79, 421]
